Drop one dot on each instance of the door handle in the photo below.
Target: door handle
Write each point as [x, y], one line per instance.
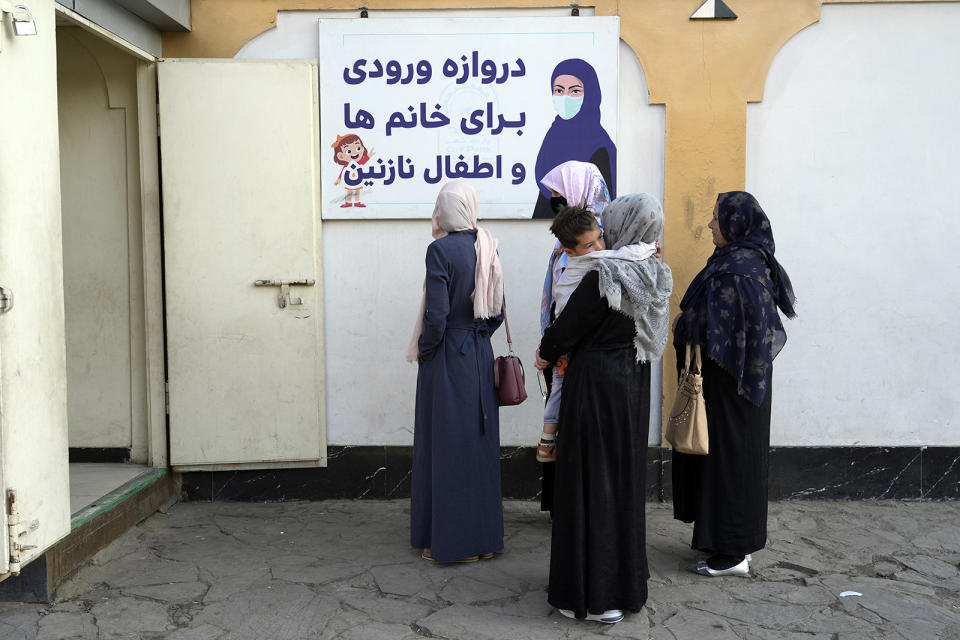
[284, 298]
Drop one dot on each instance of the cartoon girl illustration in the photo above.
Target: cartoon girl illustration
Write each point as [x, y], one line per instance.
[349, 149]
[576, 132]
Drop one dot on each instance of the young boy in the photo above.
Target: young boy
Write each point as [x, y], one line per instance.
[581, 238]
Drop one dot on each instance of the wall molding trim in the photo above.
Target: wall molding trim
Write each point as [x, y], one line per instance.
[796, 473]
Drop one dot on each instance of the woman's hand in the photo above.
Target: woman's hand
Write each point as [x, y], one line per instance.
[540, 363]
[659, 254]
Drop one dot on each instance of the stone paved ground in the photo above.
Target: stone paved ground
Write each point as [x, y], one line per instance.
[343, 570]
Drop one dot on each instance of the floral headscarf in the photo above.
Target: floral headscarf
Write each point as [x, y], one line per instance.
[730, 308]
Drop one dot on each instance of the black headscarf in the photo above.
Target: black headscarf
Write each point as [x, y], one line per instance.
[730, 308]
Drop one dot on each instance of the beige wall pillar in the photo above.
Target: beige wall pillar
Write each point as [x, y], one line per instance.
[705, 72]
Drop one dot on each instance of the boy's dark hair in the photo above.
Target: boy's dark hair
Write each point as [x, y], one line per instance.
[571, 223]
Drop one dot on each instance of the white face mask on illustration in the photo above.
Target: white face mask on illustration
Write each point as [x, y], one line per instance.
[567, 107]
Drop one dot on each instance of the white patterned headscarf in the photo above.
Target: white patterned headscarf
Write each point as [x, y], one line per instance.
[640, 290]
[457, 209]
[581, 183]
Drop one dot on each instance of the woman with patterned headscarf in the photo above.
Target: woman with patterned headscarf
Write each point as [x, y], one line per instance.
[614, 325]
[730, 310]
[456, 513]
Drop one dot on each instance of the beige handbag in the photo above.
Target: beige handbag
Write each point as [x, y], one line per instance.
[687, 426]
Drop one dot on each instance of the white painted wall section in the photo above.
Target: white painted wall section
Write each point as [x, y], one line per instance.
[374, 269]
[853, 154]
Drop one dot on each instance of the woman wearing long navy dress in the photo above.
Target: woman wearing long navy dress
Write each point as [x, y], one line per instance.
[456, 513]
[730, 309]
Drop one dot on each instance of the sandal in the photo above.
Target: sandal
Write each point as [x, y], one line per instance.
[547, 451]
[426, 555]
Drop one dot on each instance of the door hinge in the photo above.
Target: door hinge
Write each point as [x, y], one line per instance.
[15, 532]
[6, 299]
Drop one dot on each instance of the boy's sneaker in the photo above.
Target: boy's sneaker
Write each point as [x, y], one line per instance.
[547, 451]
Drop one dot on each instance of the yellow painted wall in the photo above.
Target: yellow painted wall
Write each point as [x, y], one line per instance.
[704, 71]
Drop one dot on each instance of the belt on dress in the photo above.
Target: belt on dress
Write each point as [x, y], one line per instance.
[478, 331]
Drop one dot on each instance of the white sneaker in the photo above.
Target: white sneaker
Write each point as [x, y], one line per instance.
[703, 569]
[610, 616]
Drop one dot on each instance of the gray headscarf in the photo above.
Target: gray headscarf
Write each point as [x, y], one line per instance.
[640, 290]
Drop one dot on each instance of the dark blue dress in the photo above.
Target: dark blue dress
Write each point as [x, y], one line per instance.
[455, 500]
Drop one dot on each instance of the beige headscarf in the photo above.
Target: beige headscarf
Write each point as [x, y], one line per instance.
[456, 210]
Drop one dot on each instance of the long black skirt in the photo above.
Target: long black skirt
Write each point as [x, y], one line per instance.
[598, 557]
[725, 493]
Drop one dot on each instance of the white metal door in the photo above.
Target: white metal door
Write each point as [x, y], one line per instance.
[33, 409]
[4, 541]
[239, 153]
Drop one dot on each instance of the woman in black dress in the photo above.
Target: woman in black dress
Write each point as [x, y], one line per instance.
[615, 323]
[730, 310]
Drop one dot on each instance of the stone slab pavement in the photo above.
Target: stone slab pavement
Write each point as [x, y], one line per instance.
[342, 569]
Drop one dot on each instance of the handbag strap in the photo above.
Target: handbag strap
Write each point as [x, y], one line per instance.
[696, 359]
[506, 325]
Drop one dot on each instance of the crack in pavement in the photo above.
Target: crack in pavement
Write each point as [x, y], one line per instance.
[354, 555]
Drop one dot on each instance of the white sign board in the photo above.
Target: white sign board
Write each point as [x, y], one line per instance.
[406, 105]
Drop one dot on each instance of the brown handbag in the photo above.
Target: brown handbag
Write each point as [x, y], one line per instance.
[508, 375]
[687, 425]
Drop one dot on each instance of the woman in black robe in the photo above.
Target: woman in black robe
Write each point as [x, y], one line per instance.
[730, 310]
[614, 324]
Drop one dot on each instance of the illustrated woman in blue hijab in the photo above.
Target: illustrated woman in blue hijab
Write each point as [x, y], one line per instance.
[576, 132]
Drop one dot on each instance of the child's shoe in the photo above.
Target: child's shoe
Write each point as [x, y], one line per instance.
[547, 451]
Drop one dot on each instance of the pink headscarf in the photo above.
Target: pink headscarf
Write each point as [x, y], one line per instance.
[581, 183]
[456, 210]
